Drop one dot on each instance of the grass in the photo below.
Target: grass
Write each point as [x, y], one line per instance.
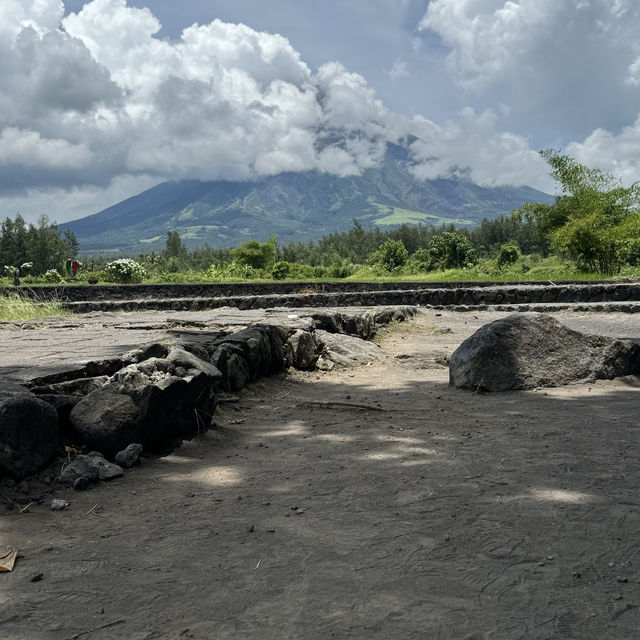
[14, 307]
[529, 268]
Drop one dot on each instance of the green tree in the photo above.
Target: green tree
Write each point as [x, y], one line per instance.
[259, 255]
[390, 255]
[13, 242]
[71, 244]
[174, 247]
[45, 248]
[509, 254]
[592, 218]
[451, 250]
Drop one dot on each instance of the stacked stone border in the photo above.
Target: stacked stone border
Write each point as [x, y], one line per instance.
[583, 296]
[165, 391]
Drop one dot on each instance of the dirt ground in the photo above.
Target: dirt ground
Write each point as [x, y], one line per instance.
[424, 512]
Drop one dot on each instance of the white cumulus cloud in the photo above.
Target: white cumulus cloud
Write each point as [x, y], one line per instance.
[97, 99]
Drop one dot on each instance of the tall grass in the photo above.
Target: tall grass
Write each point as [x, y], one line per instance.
[14, 307]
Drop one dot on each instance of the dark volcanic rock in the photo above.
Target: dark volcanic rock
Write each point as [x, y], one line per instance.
[129, 456]
[107, 420]
[148, 403]
[529, 350]
[90, 467]
[28, 431]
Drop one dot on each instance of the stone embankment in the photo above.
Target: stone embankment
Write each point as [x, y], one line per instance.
[168, 390]
[547, 296]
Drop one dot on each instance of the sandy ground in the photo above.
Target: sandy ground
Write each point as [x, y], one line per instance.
[425, 513]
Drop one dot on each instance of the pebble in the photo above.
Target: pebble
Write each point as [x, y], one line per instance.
[36, 577]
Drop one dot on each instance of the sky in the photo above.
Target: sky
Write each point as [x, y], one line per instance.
[101, 100]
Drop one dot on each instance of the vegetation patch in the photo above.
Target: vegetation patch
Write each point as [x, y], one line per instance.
[14, 308]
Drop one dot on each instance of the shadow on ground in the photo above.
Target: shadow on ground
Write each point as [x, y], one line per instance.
[424, 512]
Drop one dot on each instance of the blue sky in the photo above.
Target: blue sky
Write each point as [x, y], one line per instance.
[101, 100]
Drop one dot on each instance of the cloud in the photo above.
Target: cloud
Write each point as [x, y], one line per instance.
[473, 147]
[97, 99]
[28, 149]
[615, 154]
[398, 70]
[552, 61]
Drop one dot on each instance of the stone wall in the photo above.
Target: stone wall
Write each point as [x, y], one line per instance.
[477, 297]
[78, 293]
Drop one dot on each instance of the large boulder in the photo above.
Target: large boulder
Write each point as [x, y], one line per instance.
[529, 350]
[28, 431]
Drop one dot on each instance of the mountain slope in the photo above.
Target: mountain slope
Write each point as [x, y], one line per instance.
[292, 206]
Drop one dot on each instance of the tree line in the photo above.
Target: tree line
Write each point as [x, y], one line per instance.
[594, 221]
[39, 245]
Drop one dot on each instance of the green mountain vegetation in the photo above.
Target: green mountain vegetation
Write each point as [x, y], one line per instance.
[293, 207]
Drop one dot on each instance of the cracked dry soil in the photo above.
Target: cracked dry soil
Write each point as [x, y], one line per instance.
[428, 513]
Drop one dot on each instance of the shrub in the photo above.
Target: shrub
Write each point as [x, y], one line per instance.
[630, 252]
[259, 255]
[303, 271]
[124, 271]
[451, 250]
[509, 254]
[420, 261]
[231, 271]
[281, 270]
[341, 269]
[390, 255]
[52, 276]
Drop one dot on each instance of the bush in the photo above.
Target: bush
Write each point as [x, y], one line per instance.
[420, 261]
[52, 276]
[124, 271]
[281, 270]
[231, 271]
[259, 255]
[509, 254]
[302, 271]
[451, 250]
[341, 269]
[391, 255]
[630, 252]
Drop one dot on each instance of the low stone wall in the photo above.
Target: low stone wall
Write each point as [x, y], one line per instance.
[78, 293]
[477, 297]
[169, 390]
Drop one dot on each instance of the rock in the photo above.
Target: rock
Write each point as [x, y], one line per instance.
[63, 404]
[28, 431]
[147, 403]
[82, 467]
[107, 470]
[529, 350]
[80, 387]
[81, 483]
[304, 353]
[343, 350]
[182, 358]
[106, 420]
[57, 504]
[129, 457]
